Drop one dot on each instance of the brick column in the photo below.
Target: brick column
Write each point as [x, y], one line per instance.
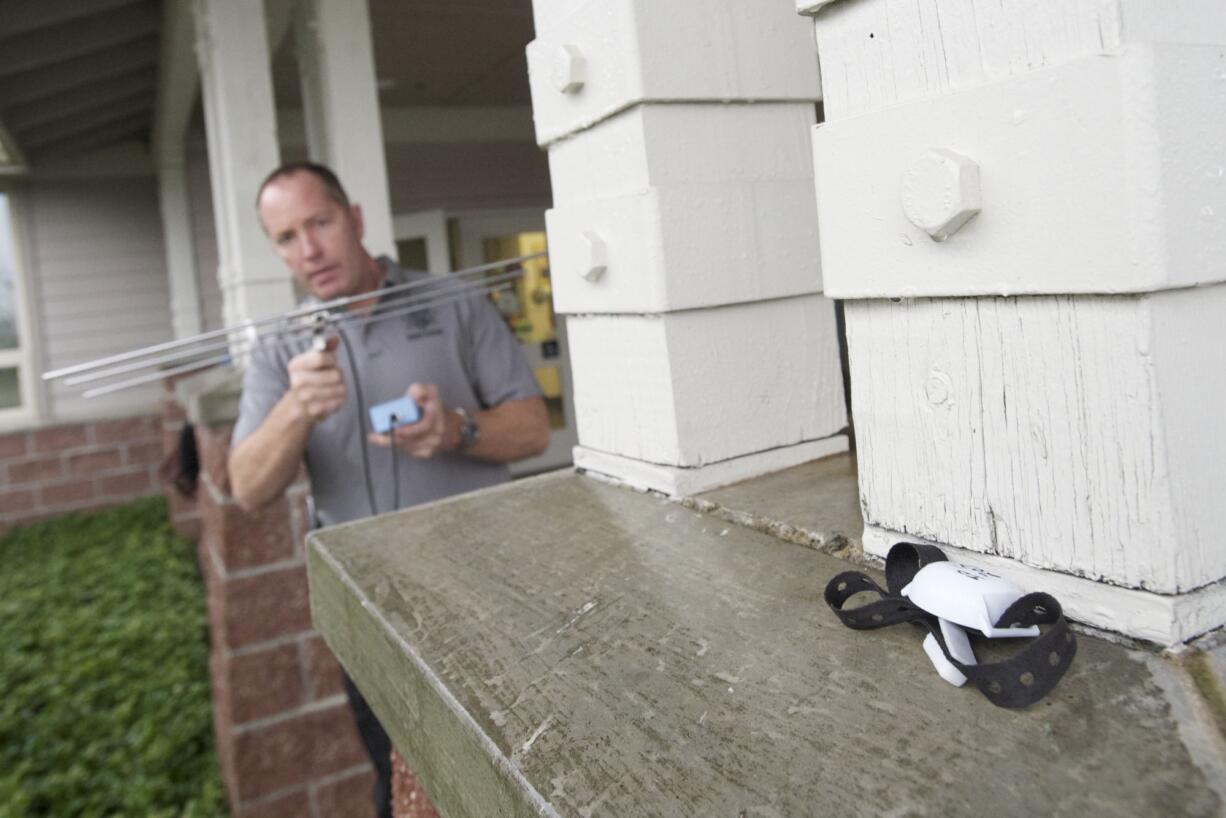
[285, 735]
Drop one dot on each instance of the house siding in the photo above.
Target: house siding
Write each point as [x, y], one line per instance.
[102, 285]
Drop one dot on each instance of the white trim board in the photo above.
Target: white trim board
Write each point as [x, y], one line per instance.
[1165, 619]
[683, 482]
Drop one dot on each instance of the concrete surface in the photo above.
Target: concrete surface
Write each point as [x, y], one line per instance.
[815, 504]
[561, 646]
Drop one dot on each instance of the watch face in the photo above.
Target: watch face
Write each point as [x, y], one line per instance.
[469, 431]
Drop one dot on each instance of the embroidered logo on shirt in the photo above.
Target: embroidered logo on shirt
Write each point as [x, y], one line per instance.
[421, 324]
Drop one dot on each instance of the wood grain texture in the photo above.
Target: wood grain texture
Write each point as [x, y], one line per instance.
[561, 646]
[878, 54]
[1076, 434]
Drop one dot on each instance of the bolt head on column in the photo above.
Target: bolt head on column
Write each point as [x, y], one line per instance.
[940, 192]
[569, 70]
[594, 256]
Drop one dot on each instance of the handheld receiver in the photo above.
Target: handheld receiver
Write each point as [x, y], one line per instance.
[403, 410]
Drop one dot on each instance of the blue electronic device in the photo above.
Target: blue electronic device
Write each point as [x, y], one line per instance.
[399, 412]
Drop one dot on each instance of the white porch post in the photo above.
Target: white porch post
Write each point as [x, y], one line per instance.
[185, 312]
[341, 105]
[1037, 387]
[232, 47]
[178, 80]
[683, 237]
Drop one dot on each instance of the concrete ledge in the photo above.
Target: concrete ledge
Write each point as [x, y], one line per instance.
[560, 646]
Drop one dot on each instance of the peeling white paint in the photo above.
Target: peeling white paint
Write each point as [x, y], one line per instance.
[1076, 434]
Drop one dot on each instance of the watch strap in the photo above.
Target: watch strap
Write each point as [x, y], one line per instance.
[470, 432]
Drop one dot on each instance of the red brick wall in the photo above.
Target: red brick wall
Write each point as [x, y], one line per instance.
[76, 467]
[285, 734]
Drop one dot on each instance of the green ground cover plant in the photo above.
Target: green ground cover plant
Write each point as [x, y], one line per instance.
[104, 693]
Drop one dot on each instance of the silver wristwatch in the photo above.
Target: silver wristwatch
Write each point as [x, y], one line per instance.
[469, 430]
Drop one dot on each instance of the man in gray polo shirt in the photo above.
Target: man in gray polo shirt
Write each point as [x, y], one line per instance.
[480, 405]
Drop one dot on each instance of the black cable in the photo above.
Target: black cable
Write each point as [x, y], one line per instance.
[357, 391]
[395, 466]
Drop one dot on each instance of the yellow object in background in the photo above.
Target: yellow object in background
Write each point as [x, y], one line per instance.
[549, 378]
[528, 308]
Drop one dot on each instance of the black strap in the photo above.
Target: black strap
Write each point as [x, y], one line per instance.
[1019, 681]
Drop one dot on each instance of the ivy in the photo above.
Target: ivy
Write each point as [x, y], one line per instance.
[104, 687]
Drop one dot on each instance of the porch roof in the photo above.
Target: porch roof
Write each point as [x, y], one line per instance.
[81, 76]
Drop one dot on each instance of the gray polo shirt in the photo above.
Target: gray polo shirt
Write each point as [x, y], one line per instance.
[463, 347]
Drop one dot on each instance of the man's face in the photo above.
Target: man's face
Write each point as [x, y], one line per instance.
[317, 238]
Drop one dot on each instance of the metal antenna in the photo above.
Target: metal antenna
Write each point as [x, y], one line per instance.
[318, 320]
[455, 279]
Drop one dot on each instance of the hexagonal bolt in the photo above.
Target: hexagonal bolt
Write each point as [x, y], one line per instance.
[594, 256]
[940, 192]
[569, 69]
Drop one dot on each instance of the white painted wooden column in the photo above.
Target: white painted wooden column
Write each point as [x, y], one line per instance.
[178, 81]
[235, 74]
[185, 305]
[341, 108]
[683, 240]
[1039, 387]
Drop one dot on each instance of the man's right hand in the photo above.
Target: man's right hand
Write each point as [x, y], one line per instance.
[316, 383]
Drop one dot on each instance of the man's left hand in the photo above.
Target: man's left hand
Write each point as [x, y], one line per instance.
[429, 435]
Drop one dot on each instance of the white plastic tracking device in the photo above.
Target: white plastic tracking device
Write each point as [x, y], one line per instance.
[963, 596]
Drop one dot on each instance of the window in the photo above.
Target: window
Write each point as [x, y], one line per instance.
[15, 398]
